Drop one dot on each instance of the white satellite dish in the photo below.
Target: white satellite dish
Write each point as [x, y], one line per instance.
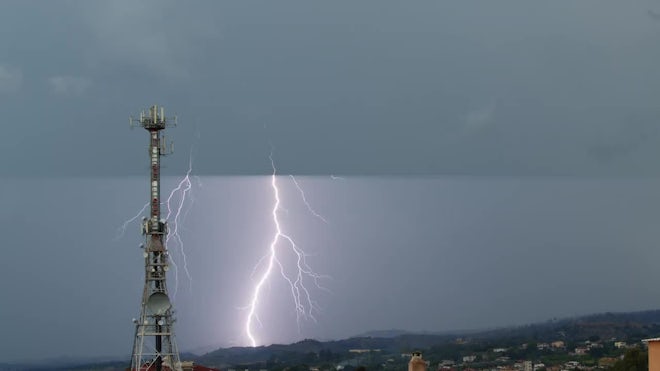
[158, 303]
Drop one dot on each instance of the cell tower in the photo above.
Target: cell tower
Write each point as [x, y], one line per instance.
[154, 347]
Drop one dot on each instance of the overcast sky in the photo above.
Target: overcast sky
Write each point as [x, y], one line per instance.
[419, 254]
[494, 163]
[387, 87]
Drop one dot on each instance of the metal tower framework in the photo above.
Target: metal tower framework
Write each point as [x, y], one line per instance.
[154, 347]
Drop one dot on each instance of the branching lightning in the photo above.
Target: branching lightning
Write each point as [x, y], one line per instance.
[305, 306]
[180, 193]
[175, 204]
[122, 230]
[309, 207]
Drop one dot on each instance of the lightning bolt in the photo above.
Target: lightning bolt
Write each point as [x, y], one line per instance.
[178, 198]
[121, 231]
[176, 202]
[309, 207]
[305, 307]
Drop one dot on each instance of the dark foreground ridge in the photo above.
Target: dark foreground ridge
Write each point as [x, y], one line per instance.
[593, 336]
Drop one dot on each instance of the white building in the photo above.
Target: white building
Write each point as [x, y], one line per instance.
[468, 359]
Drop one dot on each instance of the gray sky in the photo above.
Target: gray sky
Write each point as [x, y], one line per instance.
[469, 252]
[507, 87]
[499, 155]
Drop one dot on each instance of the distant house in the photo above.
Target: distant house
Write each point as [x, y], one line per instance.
[581, 351]
[417, 363]
[499, 350]
[542, 346]
[572, 364]
[557, 344]
[468, 359]
[620, 344]
[360, 351]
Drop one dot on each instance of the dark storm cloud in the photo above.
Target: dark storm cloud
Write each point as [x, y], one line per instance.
[619, 142]
[337, 88]
[653, 15]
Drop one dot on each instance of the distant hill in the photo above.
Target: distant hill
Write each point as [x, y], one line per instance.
[631, 325]
[635, 325]
[384, 333]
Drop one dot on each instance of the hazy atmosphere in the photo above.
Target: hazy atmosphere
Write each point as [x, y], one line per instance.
[473, 164]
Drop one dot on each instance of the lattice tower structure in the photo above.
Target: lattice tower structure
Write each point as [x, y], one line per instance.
[154, 346]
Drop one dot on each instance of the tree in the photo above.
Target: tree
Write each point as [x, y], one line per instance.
[633, 360]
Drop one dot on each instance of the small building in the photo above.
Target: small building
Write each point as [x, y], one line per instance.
[595, 345]
[557, 344]
[416, 362]
[581, 351]
[620, 344]
[360, 351]
[468, 359]
[654, 353]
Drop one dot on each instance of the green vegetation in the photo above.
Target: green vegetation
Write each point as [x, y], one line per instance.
[592, 336]
[634, 360]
